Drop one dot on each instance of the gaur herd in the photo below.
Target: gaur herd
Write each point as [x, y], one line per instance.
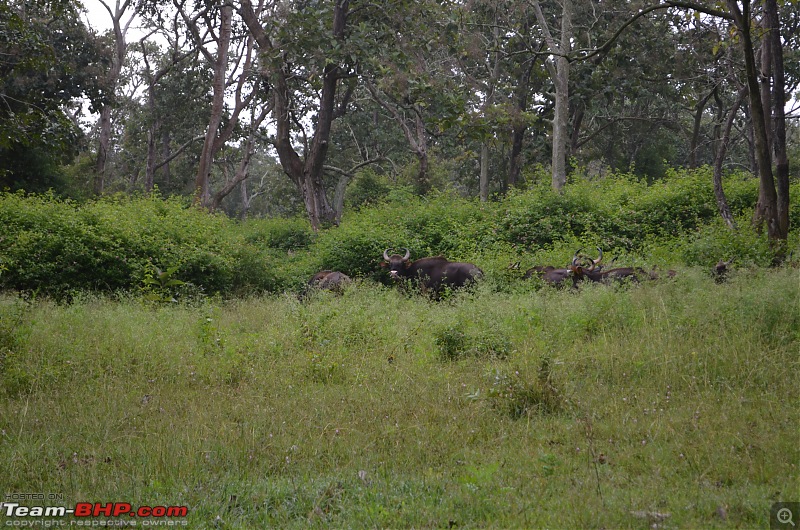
[435, 274]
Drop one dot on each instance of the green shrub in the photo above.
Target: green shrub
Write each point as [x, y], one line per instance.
[716, 241]
[367, 188]
[58, 247]
[518, 395]
[281, 234]
[454, 342]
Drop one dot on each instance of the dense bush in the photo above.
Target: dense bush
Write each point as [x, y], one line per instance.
[56, 247]
[59, 247]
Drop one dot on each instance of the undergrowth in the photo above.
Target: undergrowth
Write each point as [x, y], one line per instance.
[62, 248]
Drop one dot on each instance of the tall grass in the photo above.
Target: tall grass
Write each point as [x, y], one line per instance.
[519, 408]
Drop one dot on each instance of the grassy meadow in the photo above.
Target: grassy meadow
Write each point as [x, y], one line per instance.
[673, 403]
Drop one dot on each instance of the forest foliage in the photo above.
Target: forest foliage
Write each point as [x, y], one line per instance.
[58, 247]
[188, 97]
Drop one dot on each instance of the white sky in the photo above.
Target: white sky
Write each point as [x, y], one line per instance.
[96, 15]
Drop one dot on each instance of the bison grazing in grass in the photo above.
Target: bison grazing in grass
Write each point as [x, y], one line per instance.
[433, 274]
[330, 281]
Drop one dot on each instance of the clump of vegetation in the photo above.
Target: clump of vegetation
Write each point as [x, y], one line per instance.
[516, 394]
[160, 286]
[15, 327]
[454, 342]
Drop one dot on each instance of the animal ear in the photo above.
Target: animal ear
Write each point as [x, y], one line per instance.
[384, 264]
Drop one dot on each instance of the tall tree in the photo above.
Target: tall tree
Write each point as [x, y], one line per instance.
[558, 67]
[772, 39]
[49, 64]
[772, 206]
[119, 30]
[219, 64]
[325, 72]
[153, 75]
[767, 206]
[410, 74]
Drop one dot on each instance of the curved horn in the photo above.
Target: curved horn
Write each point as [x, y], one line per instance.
[386, 254]
[595, 262]
[575, 257]
[407, 255]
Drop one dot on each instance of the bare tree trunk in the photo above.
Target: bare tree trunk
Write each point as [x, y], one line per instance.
[719, 193]
[699, 109]
[484, 178]
[202, 191]
[766, 208]
[150, 165]
[421, 151]
[166, 156]
[765, 75]
[117, 60]
[751, 141]
[719, 118]
[338, 195]
[246, 199]
[779, 117]
[515, 157]
[559, 73]
[103, 144]
[577, 123]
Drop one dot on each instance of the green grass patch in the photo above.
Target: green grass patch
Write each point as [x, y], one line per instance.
[495, 408]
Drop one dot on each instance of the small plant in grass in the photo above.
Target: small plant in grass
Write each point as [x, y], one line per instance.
[211, 340]
[517, 395]
[453, 343]
[160, 286]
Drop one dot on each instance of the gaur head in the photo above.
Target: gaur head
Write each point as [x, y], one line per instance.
[396, 263]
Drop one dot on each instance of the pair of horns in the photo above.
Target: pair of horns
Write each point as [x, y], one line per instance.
[592, 263]
[405, 257]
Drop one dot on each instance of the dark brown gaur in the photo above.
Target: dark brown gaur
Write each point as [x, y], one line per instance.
[619, 274]
[582, 271]
[720, 271]
[433, 274]
[538, 271]
[330, 280]
[557, 277]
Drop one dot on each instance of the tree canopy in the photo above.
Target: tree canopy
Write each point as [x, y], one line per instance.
[476, 95]
[50, 71]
